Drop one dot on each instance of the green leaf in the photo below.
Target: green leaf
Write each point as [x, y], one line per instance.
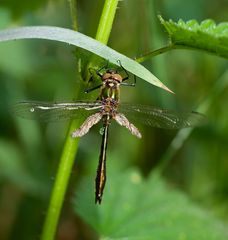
[135, 208]
[206, 36]
[82, 41]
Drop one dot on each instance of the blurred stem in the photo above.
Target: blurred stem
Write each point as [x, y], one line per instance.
[73, 13]
[183, 134]
[71, 145]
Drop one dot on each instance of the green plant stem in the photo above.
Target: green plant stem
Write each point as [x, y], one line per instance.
[60, 185]
[167, 48]
[154, 53]
[71, 145]
[73, 13]
[106, 21]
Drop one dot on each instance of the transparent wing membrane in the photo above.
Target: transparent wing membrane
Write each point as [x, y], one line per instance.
[55, 111]
[161, 118]
[147, 115]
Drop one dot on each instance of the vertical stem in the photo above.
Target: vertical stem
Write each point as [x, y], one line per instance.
[60, 185]
[73, 13]
[106, 21]
[71, 145]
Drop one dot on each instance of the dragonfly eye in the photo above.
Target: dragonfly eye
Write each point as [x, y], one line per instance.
[117, 77]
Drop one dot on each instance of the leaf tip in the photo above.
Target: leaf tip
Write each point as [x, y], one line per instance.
[167, 89]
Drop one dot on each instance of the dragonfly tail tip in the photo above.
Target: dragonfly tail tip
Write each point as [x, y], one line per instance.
[98, 200]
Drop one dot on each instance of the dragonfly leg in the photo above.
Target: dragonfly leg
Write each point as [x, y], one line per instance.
[87, 124]
[103, 67]
[127, 77]
[91, 78]
[128, 84]
[123, 121]
[87, 90]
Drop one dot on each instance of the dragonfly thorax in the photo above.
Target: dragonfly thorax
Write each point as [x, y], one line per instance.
[110, 87]
[109, 107]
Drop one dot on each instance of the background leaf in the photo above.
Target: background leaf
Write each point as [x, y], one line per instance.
[205, 36]
[139, 208]
[83, 41]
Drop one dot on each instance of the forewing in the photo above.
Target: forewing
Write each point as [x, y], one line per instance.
[161, 118]
[55, 111]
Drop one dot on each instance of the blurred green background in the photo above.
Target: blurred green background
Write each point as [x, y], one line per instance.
[46, 71]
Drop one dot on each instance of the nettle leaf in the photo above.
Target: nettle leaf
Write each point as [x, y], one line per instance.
[205, 36]
[82, 41]
[136, 208]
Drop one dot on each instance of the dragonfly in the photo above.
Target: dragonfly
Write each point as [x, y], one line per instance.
[107, 108]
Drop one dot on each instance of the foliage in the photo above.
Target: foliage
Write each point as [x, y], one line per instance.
[137, 208]
[80, 40]
[205, 36]
[196, 163]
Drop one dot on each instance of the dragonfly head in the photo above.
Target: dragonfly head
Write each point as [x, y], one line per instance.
[112, 74]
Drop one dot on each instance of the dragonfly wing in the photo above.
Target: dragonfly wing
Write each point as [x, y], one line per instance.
[55, 111]
[123, 121]
[161, 118]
